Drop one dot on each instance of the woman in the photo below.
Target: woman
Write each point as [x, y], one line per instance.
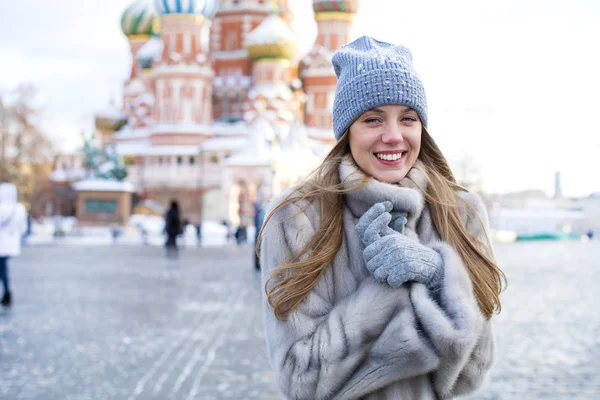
[380, 281]
[173, 228]
[13, 223]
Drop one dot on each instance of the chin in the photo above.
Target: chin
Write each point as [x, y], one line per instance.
[390, 177]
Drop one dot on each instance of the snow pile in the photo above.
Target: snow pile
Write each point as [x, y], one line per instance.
[103, 185]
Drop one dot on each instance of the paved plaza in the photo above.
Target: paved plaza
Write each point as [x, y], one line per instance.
[124, 323]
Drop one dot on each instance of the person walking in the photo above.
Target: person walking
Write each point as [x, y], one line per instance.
[173, 228]
[13, 224]
[380, 281]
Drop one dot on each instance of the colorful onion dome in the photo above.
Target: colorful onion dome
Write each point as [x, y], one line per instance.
[271, 39]
[139, 19]
[206, 8]
[345, 6]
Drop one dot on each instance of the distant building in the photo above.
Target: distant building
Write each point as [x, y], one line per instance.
[218, 100]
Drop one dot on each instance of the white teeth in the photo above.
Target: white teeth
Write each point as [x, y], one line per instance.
[389, 157]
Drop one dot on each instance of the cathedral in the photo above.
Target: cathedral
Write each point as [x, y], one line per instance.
[219, 110]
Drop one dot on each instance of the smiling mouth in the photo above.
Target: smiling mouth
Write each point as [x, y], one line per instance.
[390, 156]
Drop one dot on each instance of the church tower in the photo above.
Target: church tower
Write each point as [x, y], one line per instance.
[182, 76]
[272, 46]
[334, 24]
[139, 23]
[233, 22]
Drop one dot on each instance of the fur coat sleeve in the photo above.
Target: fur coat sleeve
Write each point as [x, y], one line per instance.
[460, 334]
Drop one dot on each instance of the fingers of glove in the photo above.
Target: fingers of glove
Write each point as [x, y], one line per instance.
[382, 272]
[399, 220]
[387, 231]
[376, 229]
[371, 214]
[397, 277]
[382, 246]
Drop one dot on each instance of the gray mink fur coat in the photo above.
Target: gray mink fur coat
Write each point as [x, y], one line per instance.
[356, 338]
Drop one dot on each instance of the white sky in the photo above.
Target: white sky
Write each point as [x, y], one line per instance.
[513, 84]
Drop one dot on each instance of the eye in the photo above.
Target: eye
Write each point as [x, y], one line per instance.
[372, 120]
[409, 118]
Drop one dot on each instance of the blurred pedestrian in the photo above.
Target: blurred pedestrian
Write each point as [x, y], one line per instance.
[198, 227]
[13, 224]
[173, 228]
[379, 275]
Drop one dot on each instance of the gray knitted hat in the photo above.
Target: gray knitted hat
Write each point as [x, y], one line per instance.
[370, 74]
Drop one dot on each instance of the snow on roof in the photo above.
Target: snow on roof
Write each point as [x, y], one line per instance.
[257, 150]
[127, 133]
[112, 112]
[151, 50]
[232, 81]
[103, 185]
[181, 69]
[146, 98]
[271, 91]
[272, 30]
[132, 147]
[224, 143]
[324, 70]
[231, 129]
[179, 150]
[134, 86]
[67, 175]
[143, 148]
[230, 55]
[181, 128]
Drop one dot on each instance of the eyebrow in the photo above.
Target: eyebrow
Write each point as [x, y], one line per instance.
[381, 111]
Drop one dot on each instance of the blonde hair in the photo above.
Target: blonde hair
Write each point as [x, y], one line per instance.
[289, 284]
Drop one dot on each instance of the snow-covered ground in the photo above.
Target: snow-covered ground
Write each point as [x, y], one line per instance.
[142, 230]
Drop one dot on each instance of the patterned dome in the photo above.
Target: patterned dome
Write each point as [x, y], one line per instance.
[207, 8]
[139, 19]
[346, 6]
[271, 39]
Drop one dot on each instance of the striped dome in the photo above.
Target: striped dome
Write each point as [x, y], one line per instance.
[139, 19]
[207, 8]
[347, 6]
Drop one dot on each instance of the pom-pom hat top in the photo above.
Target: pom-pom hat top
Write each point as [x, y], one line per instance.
[370, 74]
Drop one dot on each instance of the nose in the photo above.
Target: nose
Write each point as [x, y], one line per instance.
[392, 134]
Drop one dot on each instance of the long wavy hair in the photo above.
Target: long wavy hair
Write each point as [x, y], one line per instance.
[289, 284]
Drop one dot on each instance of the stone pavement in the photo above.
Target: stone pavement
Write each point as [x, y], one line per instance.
[124, 323]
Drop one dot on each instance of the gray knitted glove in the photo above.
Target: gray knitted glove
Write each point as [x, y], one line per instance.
[392, 257]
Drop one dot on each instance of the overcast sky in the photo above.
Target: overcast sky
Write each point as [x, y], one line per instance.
[513, 84]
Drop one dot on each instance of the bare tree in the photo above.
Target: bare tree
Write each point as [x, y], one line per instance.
[25, 151]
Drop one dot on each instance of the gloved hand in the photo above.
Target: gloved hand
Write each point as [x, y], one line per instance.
[392, 257]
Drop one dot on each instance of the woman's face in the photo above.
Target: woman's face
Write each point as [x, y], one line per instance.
[385, 142]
